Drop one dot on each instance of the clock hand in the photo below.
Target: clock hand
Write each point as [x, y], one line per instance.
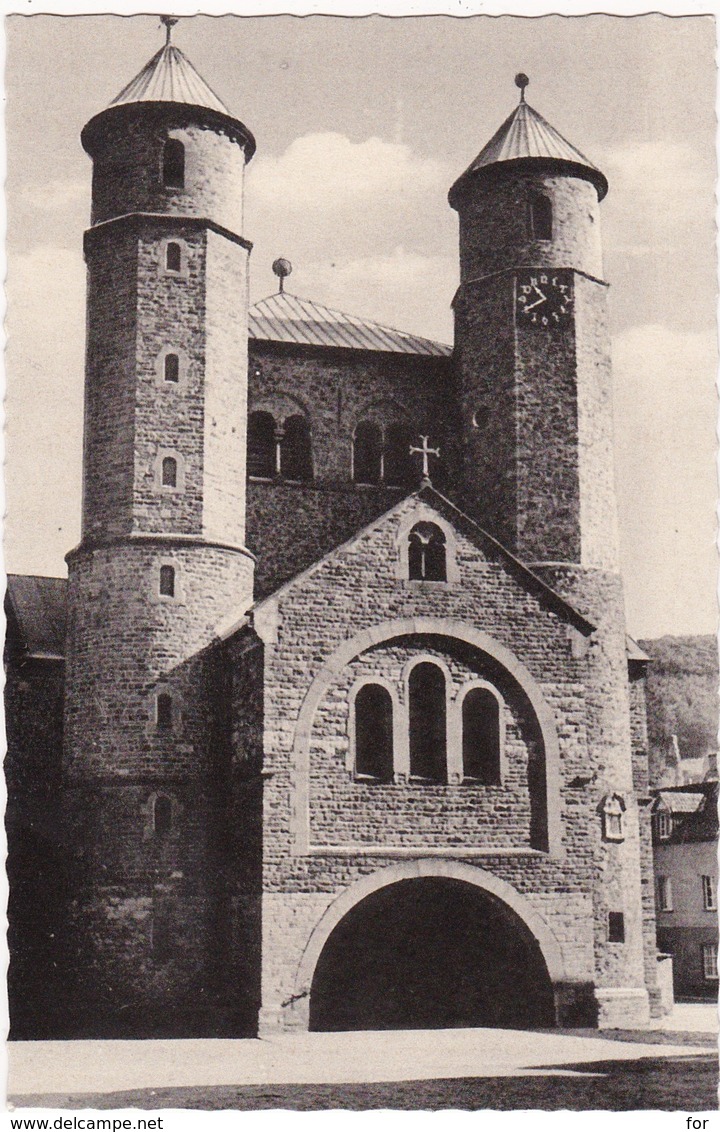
[542, 299]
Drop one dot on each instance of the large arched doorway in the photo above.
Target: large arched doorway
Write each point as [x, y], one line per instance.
[430, 953]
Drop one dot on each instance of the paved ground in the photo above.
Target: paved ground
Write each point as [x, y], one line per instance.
[501, 1069]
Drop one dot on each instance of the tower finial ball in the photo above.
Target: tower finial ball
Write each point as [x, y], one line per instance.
[522, 81]
[282, 268]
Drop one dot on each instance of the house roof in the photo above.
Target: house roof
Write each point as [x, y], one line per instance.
[525, 136]
[287, 318]
[694, 809]
[683, 803]
[39, 609]
[427, 493]
[170, 77]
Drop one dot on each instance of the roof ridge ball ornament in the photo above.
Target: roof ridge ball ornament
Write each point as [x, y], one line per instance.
[522, 81]
[169, 22]
[282, 268]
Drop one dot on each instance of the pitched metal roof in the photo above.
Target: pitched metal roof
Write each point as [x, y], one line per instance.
[680, 803]
[286, 318]
[170, 77]
[526, 135]
[39, 606]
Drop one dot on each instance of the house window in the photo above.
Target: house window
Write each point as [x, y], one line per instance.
[541, 218]
[709, 961]
[616, 927]
[613, 810]
[481, 736]
[162, 815]
[174, 164]
[173, 257]
[426, 554]
[664, 894]
[398, 470]
[295, 450]
[169, 471]
[428, 732]
[167, 581]
[709, 891]
[171, 368]
[367, 453]
[164, 711]
[663, 825]
[262, 460]
[374, 733]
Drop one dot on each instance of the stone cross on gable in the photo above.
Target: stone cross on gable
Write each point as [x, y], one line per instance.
[424, 450]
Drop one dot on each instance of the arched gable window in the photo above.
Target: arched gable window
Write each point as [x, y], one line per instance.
[426, 554]
[541, 218]
[481, 736]
[171, 368]
[174, 164]
[167, 581]
[398, 470]
[164, 712]
[173, 257]
[374, 733]
[162, 815]
[295, 450]
[428, 729]
[367, 453]
[169, 471]
[262, 460]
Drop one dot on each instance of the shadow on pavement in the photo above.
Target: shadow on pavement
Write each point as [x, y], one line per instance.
[683, 1083]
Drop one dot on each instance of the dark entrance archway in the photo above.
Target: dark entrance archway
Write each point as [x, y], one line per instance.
[430, 953]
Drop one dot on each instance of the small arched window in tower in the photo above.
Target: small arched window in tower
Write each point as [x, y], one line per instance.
[171, 368]
[541, 218]
[162, 815]
[164, 711]
[481, 736]
[173, 257]
[174, 164]
[426, 554]
[295, 450]
[398, 470]
[167, 581]
[262, 460]
[428, 733]
[367, 453]
[374, 733]
[169, 471]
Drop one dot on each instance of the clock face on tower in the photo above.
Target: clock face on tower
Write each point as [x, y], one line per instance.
[544, 297]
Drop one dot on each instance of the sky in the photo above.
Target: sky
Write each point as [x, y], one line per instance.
[362, 125]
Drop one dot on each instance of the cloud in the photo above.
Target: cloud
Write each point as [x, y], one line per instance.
[329, 172]
[665, 414]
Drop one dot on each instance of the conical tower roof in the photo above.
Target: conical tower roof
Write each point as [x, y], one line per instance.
[170, 77]
[526, 137]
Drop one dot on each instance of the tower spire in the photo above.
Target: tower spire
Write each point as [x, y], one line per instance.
[169, 22]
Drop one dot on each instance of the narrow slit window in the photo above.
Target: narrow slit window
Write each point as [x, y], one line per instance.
[428, 730]
[174, 164]
[374, 733]
[172, 368]
[162, 932]
[664, 894]
[616, 927]
[164, 712]
[709, 887]
[169, 471]
[541, 218]
[173, 257]
[162, 815]
[167, 581]
[481, 737]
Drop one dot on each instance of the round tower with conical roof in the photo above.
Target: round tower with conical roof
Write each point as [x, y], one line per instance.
[532, 351]
[162, 561]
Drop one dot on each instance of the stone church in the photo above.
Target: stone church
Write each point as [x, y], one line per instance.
[335, 723]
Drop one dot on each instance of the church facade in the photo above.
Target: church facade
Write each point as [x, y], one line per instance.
[352, 735]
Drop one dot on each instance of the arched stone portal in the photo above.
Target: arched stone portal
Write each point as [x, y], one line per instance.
[429, 943]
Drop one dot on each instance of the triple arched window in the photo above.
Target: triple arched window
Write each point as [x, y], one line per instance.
[382, 455]
[443, 740]
[279, 450]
